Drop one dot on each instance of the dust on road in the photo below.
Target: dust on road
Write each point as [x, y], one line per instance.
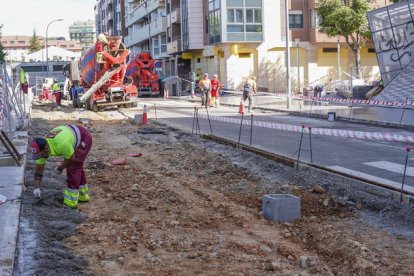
[190, 206]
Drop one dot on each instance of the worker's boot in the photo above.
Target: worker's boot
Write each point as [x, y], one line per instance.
[71, 197]
[83, 193]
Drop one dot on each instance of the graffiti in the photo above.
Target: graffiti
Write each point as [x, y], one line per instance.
[400, 43]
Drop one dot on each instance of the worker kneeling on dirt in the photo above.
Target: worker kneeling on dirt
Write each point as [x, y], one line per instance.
[73, 143]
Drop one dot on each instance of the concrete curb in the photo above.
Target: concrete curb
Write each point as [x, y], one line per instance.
[11, 186]
[323, 116]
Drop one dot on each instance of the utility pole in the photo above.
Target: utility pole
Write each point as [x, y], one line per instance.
[288, 80]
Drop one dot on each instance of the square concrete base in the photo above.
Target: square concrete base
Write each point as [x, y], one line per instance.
[281, 207]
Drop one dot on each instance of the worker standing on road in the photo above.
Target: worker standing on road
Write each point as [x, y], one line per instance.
[250, 88]
[215, 90]
[205, 87]
[58, 94]
[73, 143]
[45, 90]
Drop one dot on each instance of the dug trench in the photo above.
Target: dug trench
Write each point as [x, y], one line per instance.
[191, 206]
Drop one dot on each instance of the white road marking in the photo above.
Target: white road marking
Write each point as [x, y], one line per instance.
[392, 167]
[384, 181]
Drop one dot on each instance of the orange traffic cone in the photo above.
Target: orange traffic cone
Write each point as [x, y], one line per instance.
[241, 108]
[144, 116]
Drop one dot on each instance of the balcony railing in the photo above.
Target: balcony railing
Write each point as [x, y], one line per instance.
[175, 16]
[174, 46]
[141, 34]
[140, 11]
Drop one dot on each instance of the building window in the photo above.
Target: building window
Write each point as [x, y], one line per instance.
[235, 28]
[295, 19]
[253, 15]
[214, 22]
[330, 50]
[163, 44]
[235, 15]
[156, 43]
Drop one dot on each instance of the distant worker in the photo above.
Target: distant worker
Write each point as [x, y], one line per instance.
[45, 90]
[215, 91]
[250, 88]
[205, 86]
[73, 143]
[58, 94]
[318, 90]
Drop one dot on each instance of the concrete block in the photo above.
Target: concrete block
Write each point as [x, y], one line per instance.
[281, 207]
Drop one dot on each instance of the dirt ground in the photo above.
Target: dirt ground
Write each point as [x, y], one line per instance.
[190, 206]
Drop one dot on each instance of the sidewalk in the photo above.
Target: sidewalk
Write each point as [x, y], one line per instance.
[379, 116]
[11, 185]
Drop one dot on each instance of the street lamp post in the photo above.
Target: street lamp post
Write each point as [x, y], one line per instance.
[297, 40]
[338, 37]
[47, 57]
[288, 81]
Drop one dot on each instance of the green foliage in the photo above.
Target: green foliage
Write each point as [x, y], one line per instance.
[346, 18]
[3, 52]
[34, 44]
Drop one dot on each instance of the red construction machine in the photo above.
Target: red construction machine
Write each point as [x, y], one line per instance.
[102, 71]
[140, 70]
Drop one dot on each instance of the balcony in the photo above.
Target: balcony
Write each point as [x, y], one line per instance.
[140, 11]
[141, 34]
[174, 46]
[175, 16]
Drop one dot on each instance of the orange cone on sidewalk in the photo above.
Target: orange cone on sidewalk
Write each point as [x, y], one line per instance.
[241, 108]
[144, 116]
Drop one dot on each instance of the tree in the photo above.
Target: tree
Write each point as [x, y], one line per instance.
[3, 52]
[34, 44]
[346, 18]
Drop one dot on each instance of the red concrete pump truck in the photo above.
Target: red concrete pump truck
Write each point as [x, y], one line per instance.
[140, 71]
[102, 71]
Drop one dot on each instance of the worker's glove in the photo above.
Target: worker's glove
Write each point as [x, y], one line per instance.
[59, 170]
[37, 192]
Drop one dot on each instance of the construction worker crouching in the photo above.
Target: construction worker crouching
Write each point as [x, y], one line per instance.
[73, 143]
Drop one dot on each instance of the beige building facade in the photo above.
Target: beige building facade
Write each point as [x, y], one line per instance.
[237, 39]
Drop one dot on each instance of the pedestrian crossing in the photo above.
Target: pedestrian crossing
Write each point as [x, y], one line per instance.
[392, 167]
[384, 166]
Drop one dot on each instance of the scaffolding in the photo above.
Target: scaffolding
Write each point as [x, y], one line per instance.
[13, 102]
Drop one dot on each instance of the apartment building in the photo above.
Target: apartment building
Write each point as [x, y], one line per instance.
[109, 17]
[17, 45]
[146, 23]
[84, 31]
[237, 39]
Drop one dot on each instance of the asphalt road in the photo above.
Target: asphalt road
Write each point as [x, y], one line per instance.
[382, 161]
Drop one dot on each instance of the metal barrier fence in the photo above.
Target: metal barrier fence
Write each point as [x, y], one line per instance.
[14, 103]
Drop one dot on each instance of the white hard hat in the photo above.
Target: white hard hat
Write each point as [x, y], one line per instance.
[102, 38]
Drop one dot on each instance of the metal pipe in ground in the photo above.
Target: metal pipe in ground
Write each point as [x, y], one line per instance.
[241, 126]
[405, 170]
[300, 147]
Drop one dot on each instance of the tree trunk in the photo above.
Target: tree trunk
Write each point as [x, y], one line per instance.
[357, 52]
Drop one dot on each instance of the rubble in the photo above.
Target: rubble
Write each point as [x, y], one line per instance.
[190, 206]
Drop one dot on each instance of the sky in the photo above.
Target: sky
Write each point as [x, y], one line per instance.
[21, 17]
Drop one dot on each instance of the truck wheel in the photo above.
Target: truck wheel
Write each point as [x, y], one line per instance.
[94, 107]
[75, 102]
[90, 105]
